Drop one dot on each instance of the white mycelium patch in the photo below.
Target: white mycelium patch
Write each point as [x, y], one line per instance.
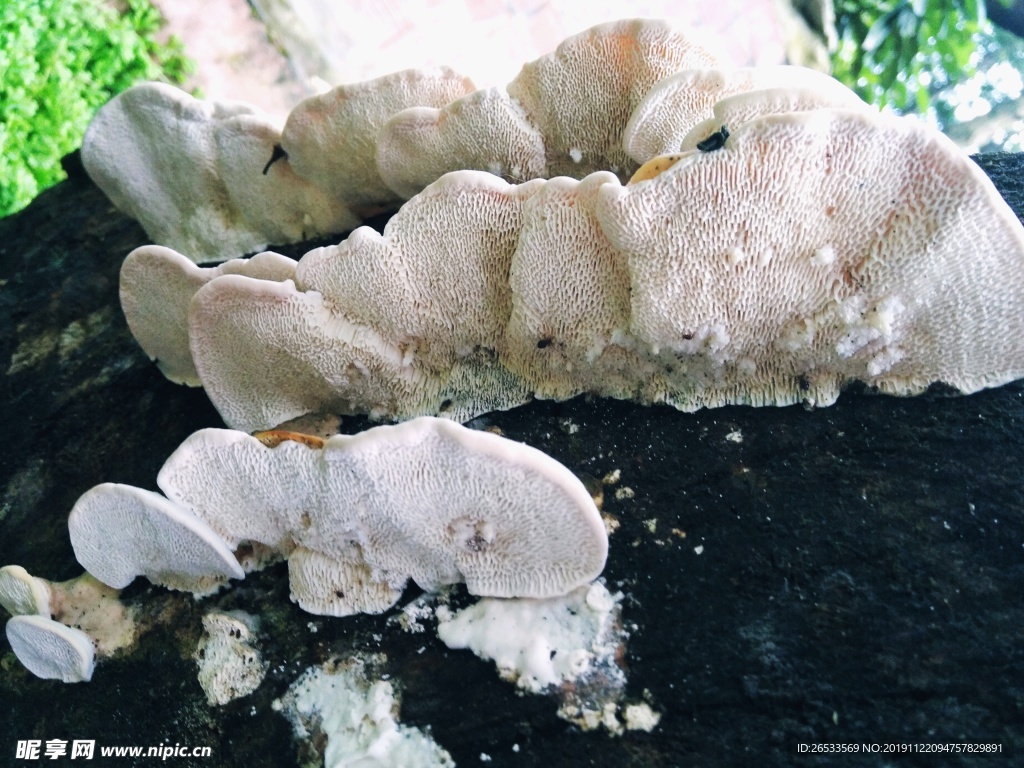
[566, 645]
[359, 717]
[229, 666]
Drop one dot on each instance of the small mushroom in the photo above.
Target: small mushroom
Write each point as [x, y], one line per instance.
[21, 593]
[119, 532]
[50, 650]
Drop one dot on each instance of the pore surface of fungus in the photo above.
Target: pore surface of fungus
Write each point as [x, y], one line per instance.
[21, 593]
[563, 114]
[331, 139]
[50, 650]
[677, 103]
[428, 500]
[119, 532]
[812, 249]
[195, 175]
[157, 284]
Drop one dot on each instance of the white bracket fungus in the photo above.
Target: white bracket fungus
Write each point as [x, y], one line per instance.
[119, 532]
[21, 593]
[563, 114]
[428, 500]
[677, 104]
[331, 139]
[81, 603]
[864, 248]
[50, 650]
[218, 179]
[157, 285]
[195, 174]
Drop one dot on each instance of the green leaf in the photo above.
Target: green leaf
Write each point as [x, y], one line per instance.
[60, 60]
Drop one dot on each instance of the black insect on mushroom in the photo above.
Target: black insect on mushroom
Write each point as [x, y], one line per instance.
[715, 141]
[276, 155]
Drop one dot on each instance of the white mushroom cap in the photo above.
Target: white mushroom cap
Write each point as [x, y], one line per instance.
[407, 324]
[428, 500]
[339, 586]
[485, 130]
[867, 247]
[465, 505]
[331, 139]
[157, 286]
[570, 298]
[119, 532]
[50, 650]
[674, 105]
[192, 173]
[581, 96]
[861, 247]
[267, 353]
[21, 593]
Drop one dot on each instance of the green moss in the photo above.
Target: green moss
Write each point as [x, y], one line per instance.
[60, 60]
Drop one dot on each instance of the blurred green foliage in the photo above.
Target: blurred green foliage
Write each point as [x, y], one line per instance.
[896, 53]
[60, 60]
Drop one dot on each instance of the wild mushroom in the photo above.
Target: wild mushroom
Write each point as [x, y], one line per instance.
[82, 603]
[331, 139]
[581, 96]
[50, 650]
[191, 172]
[21, 593]
[119, 532]
[157, 285]
[864, 248]
[427, 500]
[563, 114]
[743, 107]
[676, 104]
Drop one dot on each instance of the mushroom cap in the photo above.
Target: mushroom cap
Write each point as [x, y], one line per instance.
[331, 139]
[864, 248]
[21, 593]
[119, 532]
[339, 586]
[157, 286]
[405, 322]
[581, 96]
[191, 172]
[50, 650]
[679, 102]
[485, 130]
[867, 248]
[428, 500]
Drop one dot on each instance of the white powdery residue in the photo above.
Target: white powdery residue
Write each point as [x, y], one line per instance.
[640, 717]
[359, 719]
[419, 610]
[797, 335]
[823, 256]
[856, 338]
[884, 360]
[539, 644]
[883, 315]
